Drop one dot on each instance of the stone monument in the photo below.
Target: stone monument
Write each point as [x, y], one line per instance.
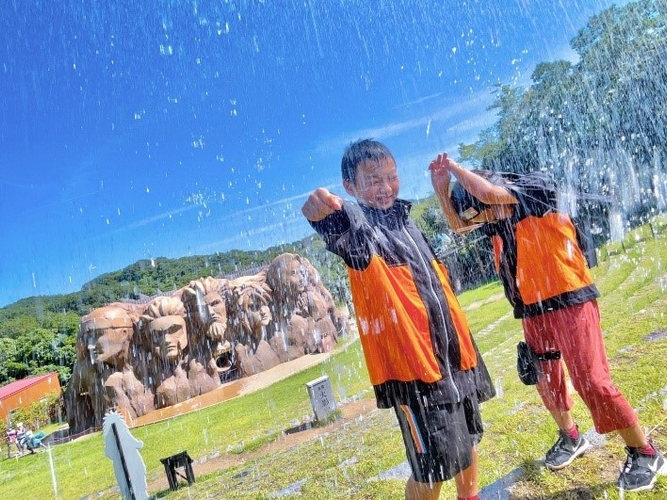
[136, 358]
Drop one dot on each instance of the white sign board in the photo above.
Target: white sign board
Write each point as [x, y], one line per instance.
[123, 449]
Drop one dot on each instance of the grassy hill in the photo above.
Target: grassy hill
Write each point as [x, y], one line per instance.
[355, 457]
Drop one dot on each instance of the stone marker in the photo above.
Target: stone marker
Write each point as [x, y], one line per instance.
[321, 398]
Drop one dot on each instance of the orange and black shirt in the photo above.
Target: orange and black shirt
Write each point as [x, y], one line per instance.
[414, 334]
[538, 253]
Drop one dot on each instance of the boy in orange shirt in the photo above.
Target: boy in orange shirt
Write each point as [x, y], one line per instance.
[420, 355]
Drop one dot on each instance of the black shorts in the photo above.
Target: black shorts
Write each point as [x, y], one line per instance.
[439, 439]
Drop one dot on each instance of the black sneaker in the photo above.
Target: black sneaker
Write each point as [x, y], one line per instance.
[565, 450]
[640, 471]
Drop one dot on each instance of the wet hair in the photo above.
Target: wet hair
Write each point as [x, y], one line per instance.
[360, 151]
[465, 204]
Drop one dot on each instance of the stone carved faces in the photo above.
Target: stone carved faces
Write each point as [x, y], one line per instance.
[140, 357]
[105, 336]
[104, 376]
[250, 299]
[168, 337]
[287, 276]
[206, 307]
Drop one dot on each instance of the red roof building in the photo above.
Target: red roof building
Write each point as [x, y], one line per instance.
[22, 393]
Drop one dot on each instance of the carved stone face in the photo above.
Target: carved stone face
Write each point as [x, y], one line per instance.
[255, 313]
[217, 311]
[296, 277]
[106, 334]
[207, 309]
[287, 276]
[168, 337]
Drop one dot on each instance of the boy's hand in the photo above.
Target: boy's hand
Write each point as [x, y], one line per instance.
[440, 173]
[320, 204]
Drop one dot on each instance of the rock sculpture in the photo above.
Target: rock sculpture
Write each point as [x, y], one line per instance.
[135, 358]
[104, 376]
[302, 307]
[165, 337]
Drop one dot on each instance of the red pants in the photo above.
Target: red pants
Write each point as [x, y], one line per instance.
[575, 332]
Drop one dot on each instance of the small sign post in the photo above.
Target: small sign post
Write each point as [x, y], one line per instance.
[321, 398]
[123, 450]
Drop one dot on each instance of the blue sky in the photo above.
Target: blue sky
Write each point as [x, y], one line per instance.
[136, 130]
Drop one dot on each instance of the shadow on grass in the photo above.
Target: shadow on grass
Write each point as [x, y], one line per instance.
[578, 493]
[528, 483]
[161, 494]
[581, 493]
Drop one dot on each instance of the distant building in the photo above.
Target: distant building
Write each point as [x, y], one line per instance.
[24, 392]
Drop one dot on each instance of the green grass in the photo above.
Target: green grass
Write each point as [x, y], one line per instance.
[344, 460]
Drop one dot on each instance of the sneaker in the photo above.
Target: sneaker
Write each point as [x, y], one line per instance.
[565, 450]
[640, 471]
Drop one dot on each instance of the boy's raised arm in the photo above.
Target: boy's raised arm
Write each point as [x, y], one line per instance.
[442, 168]
[321, 203]
[482, 189]
[441, 180]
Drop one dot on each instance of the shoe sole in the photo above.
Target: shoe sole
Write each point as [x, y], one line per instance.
[662, 471]
[647, 487]
[586, 446]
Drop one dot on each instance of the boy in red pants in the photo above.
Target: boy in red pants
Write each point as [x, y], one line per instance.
[547, 281]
